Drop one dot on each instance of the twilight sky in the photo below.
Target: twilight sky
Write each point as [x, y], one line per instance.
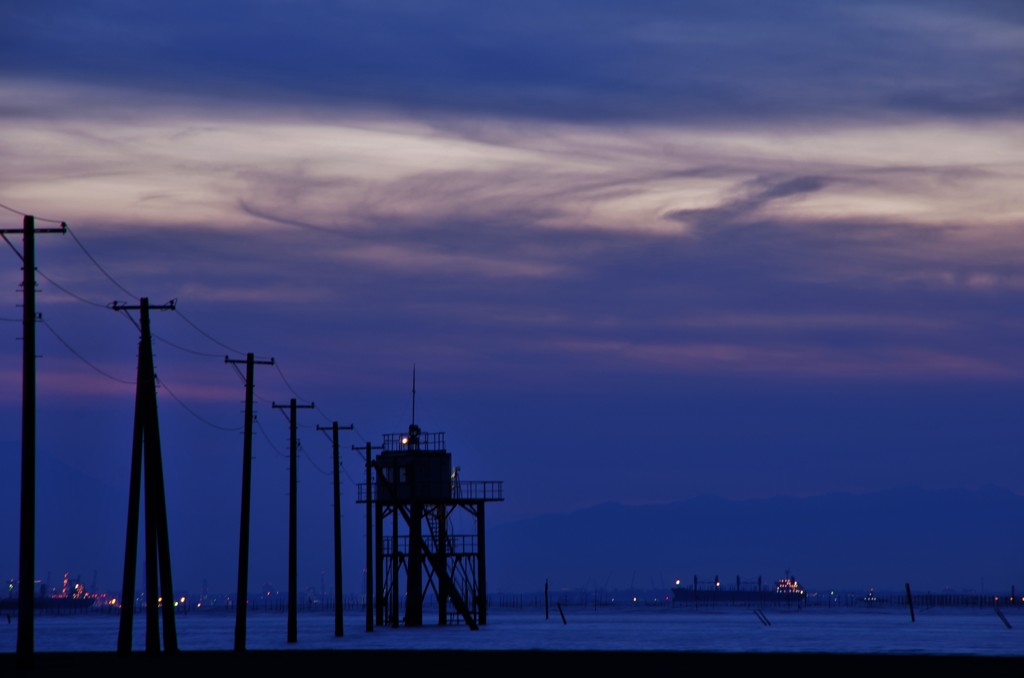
[636, 252]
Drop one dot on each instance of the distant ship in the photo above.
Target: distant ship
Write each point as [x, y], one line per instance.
[871, 600]
[786, 591]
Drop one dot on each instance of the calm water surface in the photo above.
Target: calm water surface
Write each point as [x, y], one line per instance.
[973, 632]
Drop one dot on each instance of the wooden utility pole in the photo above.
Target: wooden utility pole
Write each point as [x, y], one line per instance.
[242, 597]
[146, 457]
[293, 524]
[369, 535]
[27, 543]
[339, 626]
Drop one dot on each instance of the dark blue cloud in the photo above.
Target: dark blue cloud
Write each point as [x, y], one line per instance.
[699, 62]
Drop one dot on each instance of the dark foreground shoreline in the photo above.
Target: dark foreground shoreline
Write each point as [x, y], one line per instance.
[191, 664]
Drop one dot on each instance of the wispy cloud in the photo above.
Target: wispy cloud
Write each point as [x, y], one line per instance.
[789, 362]
[755, 190]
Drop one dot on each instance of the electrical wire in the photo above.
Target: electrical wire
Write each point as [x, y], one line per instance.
[341, 465]
[164, 385]
[109, 277]
[69, 292]
[11, 245]
[312, 463]
[241, 377]
[344, 472]
[187, 350]
[126, 315]
[11, 209]
[97, 264]
[79, 356]
[267, 438]
[200, 331]
[294, 393]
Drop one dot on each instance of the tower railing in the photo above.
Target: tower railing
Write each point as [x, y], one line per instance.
[405, 442]
[462, 490]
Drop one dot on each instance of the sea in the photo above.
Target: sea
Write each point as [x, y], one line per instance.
[892, 630]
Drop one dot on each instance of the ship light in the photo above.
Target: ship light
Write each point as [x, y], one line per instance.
[405, 440]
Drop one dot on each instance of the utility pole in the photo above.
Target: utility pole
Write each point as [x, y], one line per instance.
[339, 627]
[26, 573]
[369, 535]
[146, 456]
[242, 598]
[292, 525]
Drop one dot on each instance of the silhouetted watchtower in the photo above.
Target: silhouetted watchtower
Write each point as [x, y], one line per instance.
[415, 495]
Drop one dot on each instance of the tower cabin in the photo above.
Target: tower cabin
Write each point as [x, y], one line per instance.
[415, 493]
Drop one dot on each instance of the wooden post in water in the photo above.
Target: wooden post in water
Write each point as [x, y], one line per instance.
[910, 601]
[546, 615]
[1006, 622]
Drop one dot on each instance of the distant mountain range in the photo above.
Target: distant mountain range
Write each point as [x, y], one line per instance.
[935, 540]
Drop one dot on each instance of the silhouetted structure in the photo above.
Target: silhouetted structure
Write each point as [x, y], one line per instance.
[339, 623]
[27, 538]
[242, 596]
[415, 492]
[146, 457]
[293, 591]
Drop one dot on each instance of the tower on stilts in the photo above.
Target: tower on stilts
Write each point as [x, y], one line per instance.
[420, 558]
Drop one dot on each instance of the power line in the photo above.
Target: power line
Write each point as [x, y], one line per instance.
[79, 356]
[200, 331]
[163, 384]
[11, 209]
[101, 269]
[267, 438]
[312, 463]
[113, 305]
[241, 377]
[294, 393]
[352, 480]
[123, 289]
[187, 350]
[11, 245]
[259, 397]
[330, 439]
[69, 292]
[87, 254]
